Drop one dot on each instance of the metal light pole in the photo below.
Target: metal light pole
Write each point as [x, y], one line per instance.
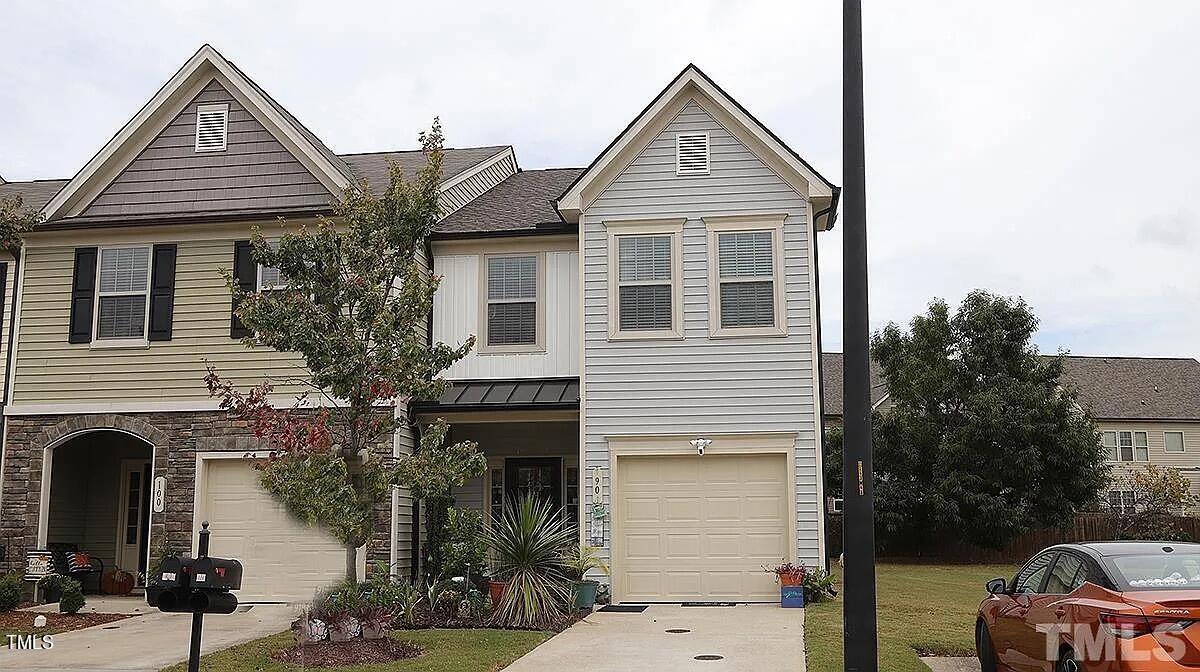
[858, 538]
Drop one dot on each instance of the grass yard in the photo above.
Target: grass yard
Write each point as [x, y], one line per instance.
[445, 651]
[922, 610]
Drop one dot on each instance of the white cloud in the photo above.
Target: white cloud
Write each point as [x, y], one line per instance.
[1040, 149]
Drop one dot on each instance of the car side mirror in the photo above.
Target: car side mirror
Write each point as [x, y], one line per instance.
[997, 586]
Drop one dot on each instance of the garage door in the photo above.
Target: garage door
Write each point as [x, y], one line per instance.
[283, 560]
[700, 528]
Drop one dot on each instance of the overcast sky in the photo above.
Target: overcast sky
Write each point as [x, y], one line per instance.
[1046, 150]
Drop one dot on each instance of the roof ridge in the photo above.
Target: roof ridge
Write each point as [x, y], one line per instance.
[1129, 357]
[419, 150]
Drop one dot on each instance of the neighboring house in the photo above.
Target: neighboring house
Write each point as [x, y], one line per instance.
[1147, 410]
[659, 301]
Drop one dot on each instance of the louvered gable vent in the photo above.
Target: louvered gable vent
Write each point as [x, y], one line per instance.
[691, 154]
[212, 127]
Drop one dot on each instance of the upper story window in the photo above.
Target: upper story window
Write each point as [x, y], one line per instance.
[1173, 442]
[270, 278]
[745, 264]
[212, 127]
[645, 289]
[512, 317]
[122, 299]
[1126, 446]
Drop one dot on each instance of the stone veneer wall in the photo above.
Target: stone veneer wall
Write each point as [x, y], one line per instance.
[176, 437]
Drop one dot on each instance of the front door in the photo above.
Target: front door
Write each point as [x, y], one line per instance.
[540, 477]
[134, 516]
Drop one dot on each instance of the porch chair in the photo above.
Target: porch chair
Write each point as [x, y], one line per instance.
[69, 560]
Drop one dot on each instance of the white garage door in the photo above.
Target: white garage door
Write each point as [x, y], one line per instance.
[283, 560]
[700, 528]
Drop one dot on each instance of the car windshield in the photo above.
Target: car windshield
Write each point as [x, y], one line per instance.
[1161, 571]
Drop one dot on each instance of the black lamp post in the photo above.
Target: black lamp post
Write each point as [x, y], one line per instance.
[858, 545]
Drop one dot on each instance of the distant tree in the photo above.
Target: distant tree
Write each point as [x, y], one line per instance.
[354, 307]
[981, 442]
[1160, 495]
[15, 221]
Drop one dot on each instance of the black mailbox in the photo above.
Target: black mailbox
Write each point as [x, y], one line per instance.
[216, 574]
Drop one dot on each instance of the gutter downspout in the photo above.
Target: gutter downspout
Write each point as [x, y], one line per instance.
[831, 213]
[8, 370]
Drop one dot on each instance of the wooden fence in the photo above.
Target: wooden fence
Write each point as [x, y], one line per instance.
[1085, 527]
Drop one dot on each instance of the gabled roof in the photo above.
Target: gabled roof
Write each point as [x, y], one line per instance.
[522, 202]
[1110, 388]
[203, 67]
[692, 83]
[373, 166]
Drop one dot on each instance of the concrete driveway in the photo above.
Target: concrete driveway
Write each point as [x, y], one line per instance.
[146, 643]
[747, 637]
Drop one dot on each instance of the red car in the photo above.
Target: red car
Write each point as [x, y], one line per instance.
[1096, 607]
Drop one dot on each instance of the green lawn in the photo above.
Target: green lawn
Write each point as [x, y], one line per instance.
[445, 651]
[925, 609]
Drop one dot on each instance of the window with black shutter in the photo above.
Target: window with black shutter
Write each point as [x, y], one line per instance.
[162, 292]
[245, 275]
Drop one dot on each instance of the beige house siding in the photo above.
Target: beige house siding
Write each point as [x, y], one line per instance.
[49, 370]
[1188, 461]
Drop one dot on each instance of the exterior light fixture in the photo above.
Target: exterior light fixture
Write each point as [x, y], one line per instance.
[700, 444]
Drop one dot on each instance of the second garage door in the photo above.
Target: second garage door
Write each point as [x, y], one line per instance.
[700, 527]
[283, 560]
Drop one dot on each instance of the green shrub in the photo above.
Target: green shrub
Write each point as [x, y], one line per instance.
[72, 599]
[11, 589]
[463, 543]
[527, 543]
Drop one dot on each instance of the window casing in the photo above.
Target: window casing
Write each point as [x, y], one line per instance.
[1126, 446]
[645, 288]
[745, 276]
[122, 309]
[512, 306]
[1173, 442]
[270, 278]
[1122, 501]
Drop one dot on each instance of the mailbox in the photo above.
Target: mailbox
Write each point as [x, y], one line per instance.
[216, 574]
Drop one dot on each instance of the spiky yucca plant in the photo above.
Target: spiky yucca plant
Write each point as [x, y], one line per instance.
[527, 545]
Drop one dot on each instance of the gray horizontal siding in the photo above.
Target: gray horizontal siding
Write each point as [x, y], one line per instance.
[700, 385]
[471, 188]
[171, 177]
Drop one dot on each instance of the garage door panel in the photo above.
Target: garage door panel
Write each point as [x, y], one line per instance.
[283, 559]
[707, 538]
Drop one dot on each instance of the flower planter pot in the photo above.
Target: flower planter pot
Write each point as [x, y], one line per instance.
[786, 580]
[585, 593]
[496, 592]
[345, 629]
[791, 596]
[313, 630]
[374, 630]
[116, 583]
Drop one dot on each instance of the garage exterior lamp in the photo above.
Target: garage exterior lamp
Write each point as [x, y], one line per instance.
[700, 444]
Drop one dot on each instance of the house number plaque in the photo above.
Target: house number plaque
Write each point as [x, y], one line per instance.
[158, 498]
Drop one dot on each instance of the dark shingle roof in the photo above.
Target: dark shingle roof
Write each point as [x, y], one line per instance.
[523, 201]
[373, 166]
[1111, 388]
[33, 194]
[1147, 388]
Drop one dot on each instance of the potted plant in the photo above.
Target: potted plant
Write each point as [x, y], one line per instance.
[526, 543]
[375, 620]
[579, 560]
[117, 582]
[791, 583]
[312, 625]
[496, 590]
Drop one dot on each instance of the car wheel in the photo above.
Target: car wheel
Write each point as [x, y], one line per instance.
[983, 647]
[1067, 662]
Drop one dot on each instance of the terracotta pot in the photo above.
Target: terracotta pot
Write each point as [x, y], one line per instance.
[496, 591]
[788, 580]
[116, 583]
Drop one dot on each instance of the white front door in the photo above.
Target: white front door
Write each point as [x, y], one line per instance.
[131, 515]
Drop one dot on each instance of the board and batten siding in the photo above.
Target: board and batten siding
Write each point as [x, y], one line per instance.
[49, 370]
[700, 386]
[456, 314]
[170, 177]
[461, 193]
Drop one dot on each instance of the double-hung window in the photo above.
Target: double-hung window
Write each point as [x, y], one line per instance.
[1126, 446]
[270, 278]
[1122, 501]
[645, 293]
[1173, 442]
[512, 315]
[122, 299]
[745, 276]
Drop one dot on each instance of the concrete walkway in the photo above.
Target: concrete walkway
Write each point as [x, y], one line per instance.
[747, 637]
[146, 643]
[944, 664]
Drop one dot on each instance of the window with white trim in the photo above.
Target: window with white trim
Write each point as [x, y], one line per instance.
[1126, 446]
[512, 301]
[745, 276]
[122, 296]
[1173, 442]
[1122, 501]
[645, 278]
[270, 278]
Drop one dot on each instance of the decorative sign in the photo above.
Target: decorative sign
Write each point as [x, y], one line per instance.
[38, 564]
[597, 485]
[599, 510]
[159, 496]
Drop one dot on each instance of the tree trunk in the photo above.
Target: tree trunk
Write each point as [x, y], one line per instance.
[352, 562]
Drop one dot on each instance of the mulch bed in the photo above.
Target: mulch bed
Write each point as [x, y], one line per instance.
[22, 621]
[353, 652]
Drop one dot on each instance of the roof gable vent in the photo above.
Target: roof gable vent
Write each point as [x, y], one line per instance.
[212, 127]
[691, 154]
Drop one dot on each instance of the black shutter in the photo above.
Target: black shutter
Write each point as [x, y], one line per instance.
[83, 293]
[245, 273]
[162, 292]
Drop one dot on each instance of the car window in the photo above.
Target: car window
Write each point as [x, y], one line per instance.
[1160, 571]
[1029, 580]
[1067, 574]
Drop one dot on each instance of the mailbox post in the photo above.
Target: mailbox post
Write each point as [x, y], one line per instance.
[199, 586]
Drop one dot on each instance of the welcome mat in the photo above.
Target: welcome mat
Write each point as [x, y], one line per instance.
[709, 604]
[624, 608]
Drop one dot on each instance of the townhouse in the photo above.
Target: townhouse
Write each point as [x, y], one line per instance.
[646, 360]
